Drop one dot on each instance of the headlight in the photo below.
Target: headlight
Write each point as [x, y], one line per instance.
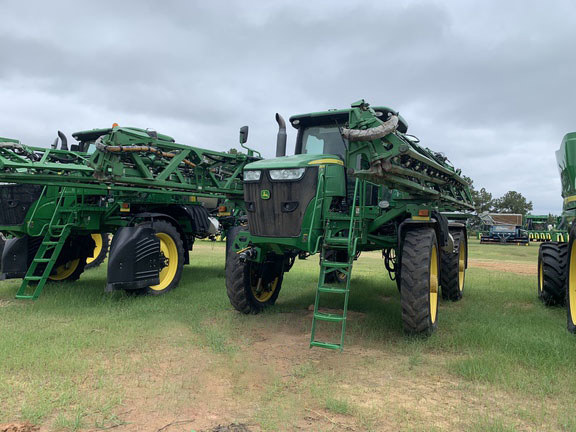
[287, 174]
[252, 175]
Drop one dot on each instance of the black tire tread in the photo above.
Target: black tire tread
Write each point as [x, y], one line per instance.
[414, 291]
[554, 259]
[238, 281]
[449, 268]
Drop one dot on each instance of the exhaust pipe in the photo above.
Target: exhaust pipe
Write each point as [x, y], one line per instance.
[281, 137]
[64, 145]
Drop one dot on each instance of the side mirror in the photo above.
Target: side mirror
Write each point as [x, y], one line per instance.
[243, 134]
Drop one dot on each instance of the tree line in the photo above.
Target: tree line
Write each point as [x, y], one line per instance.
[510, 202]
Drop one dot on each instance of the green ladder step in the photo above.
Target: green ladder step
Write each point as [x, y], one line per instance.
[41, 260]
[32, 278]
[337, 241]
[326, 289]
[329, 317]
[335, 264]
[328, 345]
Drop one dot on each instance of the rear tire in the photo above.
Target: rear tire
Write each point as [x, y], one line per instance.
[570, 273]
[68, 272]
[453, 267]
[419, 282]
[72, 260]
[100, 251]
[552, 273]
[248, 288]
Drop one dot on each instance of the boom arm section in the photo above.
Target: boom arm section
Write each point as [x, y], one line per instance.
[380, 154]
[127, 159]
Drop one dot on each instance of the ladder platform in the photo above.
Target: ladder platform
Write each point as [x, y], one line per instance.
[329, 317]
[328, 345]
[326, 289]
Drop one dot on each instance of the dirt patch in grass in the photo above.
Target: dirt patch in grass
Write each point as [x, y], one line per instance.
[521, 268]
[18, 427]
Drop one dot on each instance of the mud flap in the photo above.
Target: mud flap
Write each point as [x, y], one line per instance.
[15, 258]
[135, 259]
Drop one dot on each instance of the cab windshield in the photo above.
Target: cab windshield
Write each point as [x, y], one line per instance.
[323, 140]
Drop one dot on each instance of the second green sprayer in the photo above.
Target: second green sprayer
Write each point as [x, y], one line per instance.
[357, 182]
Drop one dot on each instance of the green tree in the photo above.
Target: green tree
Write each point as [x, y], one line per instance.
[482, 200]
[512, 202]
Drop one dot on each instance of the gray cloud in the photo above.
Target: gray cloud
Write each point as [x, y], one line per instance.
[490, 83]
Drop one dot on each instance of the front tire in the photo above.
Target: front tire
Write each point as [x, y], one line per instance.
[252, 286]
[420, 281]
[552, 272]
[453, 267]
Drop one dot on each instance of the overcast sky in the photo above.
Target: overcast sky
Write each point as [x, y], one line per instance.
[492, 84]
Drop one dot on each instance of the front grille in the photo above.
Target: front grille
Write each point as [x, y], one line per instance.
[15, 200]
[281, 215]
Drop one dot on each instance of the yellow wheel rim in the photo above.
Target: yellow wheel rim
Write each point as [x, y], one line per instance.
[572, 284]
[170, 251]
[540, 277]
[97, 249]
[263, 294]
[461, 266]
[433, 284]
[65, 270]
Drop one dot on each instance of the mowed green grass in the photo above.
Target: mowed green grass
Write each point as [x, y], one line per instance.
[63, 358]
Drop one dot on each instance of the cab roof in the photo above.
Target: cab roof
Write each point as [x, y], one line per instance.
[341, 116]
[94, 134]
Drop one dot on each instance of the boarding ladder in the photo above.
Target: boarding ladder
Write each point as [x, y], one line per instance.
[335, 241]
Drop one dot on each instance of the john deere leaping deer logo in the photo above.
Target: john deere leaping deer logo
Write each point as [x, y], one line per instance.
[265, 194]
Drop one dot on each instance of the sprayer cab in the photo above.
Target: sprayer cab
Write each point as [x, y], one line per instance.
[320, 132]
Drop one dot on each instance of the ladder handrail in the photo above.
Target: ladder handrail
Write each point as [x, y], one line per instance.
[319, 197]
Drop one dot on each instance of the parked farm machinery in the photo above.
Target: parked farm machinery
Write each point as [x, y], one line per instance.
[540, 229]
[154, 195]
[357, 182]
[503, 228]
[557, 260]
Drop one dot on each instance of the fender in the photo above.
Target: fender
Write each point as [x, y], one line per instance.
[135, 259]
[149, 216]
[15, 258]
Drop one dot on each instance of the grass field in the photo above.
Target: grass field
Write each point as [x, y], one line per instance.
[82, 359]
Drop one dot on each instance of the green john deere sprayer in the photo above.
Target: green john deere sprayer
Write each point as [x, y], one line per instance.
[540, 229]
[557, 260]
[154, 195]
[357, 182]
